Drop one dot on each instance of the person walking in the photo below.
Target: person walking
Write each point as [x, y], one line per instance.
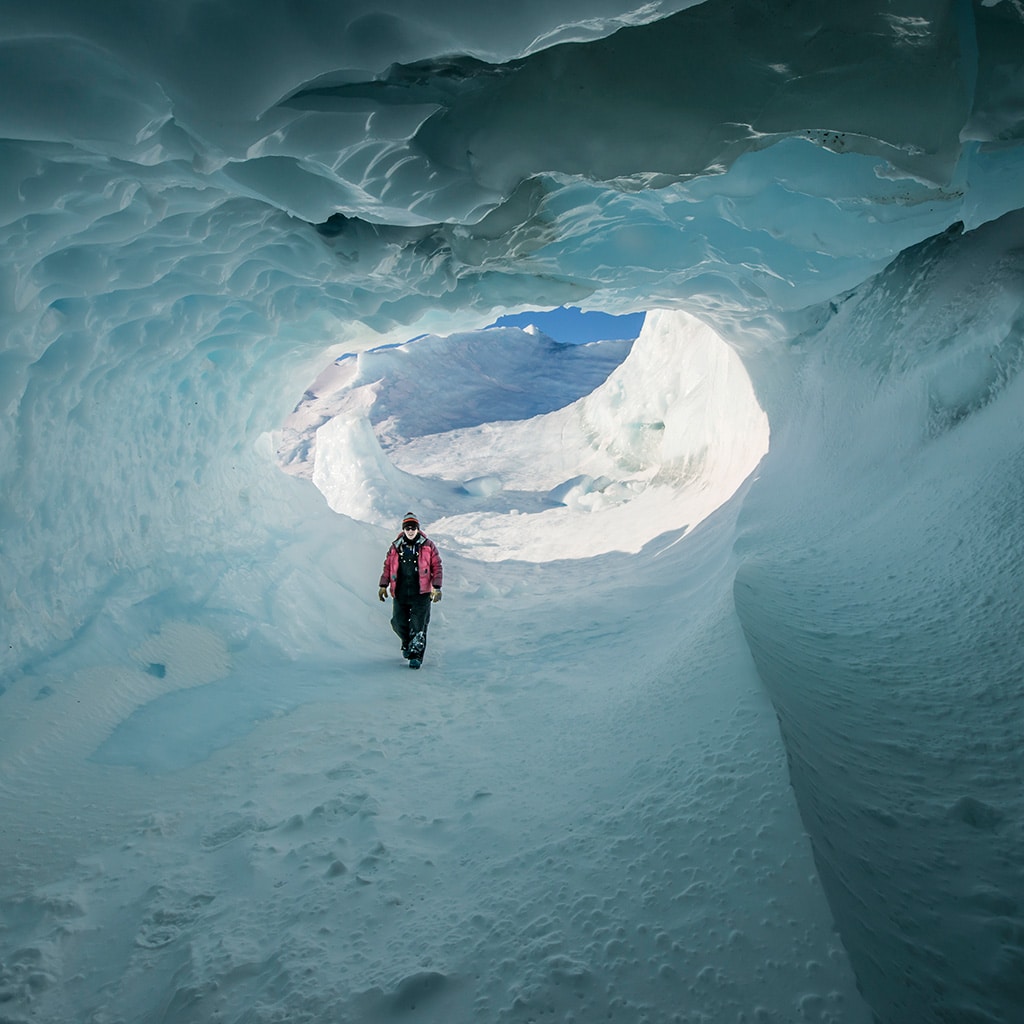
[412, 572]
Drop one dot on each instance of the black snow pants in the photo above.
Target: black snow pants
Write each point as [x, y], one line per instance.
[409, 619]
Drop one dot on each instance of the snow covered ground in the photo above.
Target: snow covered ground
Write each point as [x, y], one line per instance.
[577, 810]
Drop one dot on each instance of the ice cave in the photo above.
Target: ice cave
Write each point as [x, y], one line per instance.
[722, 716]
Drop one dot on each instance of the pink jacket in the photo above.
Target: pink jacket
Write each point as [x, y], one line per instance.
[429, 566]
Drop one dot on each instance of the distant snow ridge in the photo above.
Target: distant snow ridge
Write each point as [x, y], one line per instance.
[663, 441]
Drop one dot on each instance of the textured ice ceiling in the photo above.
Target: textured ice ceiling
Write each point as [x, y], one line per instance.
[201, 202]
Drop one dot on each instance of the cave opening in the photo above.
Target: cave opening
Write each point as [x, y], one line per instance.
[517, 445]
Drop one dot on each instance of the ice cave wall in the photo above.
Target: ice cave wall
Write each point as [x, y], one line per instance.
[882, 609]
[199, 206]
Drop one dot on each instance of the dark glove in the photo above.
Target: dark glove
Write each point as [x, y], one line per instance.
[382, 593]
[435, 595]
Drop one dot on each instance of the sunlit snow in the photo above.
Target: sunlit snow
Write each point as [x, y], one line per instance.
[721, 715]
[659, 445]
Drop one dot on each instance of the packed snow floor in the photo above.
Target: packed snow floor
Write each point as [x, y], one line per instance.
[578, 810]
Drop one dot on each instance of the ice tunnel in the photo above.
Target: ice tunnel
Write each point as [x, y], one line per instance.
[722, 715]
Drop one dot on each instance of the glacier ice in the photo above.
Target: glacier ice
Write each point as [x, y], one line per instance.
[204, 206]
